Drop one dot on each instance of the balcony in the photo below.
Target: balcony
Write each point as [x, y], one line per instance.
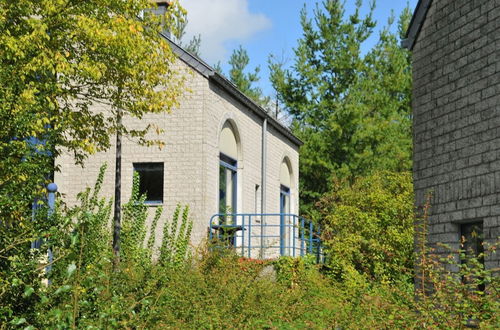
[266, 236]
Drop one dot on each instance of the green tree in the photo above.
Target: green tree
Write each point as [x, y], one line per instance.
[351, 109]
[60, 61]
[193, 46]
[245, 81]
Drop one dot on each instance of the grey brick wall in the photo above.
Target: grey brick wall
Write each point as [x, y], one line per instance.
[456, 122]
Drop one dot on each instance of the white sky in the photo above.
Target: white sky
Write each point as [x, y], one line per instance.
[219, 22]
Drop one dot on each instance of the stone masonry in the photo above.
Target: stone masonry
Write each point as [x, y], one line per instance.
[456, 118]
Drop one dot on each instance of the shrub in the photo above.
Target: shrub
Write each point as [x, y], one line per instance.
[455, 291]
[218, 288]
[367, 227]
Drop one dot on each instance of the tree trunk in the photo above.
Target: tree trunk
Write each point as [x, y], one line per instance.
[118, 182]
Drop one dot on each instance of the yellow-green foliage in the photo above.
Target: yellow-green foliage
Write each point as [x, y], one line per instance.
[367, 227]
[59, 58]
[217, 288]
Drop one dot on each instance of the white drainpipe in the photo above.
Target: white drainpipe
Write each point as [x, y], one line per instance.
[263, 175]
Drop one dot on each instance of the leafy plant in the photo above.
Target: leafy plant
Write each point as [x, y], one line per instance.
[367, 228]
[451, 292]
[61, 60]
[174, 249]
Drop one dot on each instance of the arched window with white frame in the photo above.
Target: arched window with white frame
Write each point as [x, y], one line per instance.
[228, 172]
[285, 209]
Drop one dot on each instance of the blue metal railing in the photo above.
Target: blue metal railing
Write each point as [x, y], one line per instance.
[264, 236]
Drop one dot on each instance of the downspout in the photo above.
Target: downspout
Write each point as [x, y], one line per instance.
[263, 175]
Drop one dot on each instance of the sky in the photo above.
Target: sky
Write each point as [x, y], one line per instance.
[263, 28]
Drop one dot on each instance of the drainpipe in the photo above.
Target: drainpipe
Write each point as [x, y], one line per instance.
[263, 174]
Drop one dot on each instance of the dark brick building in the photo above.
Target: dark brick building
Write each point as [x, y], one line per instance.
[456, 119]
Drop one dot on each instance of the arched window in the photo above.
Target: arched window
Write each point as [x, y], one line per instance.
[228, 169]
[285, 184]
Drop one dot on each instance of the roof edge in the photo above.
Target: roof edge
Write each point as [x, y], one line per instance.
[416, 24]
[208, 72]
[257, 109]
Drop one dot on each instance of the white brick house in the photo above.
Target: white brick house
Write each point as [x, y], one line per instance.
[223, 153]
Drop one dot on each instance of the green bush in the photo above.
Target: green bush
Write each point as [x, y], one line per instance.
[455, 291]
[84, 288]
[165, 287]
[367, 228]
[458, 299]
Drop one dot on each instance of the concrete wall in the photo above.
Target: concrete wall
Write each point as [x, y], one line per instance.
[191, 157]
[456, 108]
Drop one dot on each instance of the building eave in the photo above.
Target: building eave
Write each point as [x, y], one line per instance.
[416, 23]
[211, 74]
[257, 109]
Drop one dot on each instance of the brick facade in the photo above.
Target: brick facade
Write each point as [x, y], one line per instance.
[191, 156]
[456, 118]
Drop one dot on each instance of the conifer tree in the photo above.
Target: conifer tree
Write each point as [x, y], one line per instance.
[245, 81]
[351, 109]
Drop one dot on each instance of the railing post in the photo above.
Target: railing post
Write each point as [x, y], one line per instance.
[52, 189]
[249, 235]
[310, 237]
[242, 234]
[210, 234]
[318, 246]
[303, 228]
[294, 217]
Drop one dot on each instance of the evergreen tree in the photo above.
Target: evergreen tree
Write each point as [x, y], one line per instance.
[193, 46]
[245, 81]
[351, 110]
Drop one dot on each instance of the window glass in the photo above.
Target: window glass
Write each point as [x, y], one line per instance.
[285, 224]
[227, 186]
[150, 181]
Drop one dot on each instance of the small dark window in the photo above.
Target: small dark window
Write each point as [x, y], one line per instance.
[150, 181]
[472, 243]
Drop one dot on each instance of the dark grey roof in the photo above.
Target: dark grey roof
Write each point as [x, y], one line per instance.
[416, 23]
[208, 72]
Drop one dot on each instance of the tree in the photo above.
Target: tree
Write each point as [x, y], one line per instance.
[60, 61]
[245, 81]
[351, 110]
[193, 46]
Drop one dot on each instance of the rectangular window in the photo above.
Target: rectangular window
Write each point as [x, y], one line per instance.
[150, 181]
[472, 243]
[284, 220]
[227, 187]
[472, 239]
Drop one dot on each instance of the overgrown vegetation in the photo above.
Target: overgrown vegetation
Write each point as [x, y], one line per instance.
[158, 284]
[352, 113]
[62, 60]
[368, 227]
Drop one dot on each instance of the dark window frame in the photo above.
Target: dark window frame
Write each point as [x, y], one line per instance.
[471, 241]
[152, 185]
[228, 163]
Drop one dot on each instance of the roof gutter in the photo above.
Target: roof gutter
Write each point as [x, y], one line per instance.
[257, 109]
[208, 72]
[416, 23]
